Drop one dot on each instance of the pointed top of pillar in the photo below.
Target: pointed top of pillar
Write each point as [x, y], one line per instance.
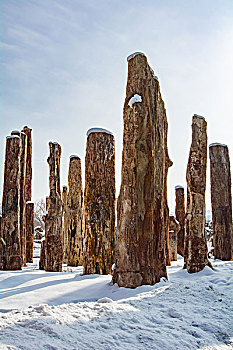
[217, 144]
[98, 130]
[135, 54]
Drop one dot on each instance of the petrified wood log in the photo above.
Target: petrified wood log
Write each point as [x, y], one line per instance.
[195, 255]
[221, 201]
[10, 250]
[142, 213]
[29, 231]
[53, 220]
[174, 228]
[42, 255]
[22, 193]
[180, 217]
[65, 225]
[75, 213]
[28, 182]
[99, 201]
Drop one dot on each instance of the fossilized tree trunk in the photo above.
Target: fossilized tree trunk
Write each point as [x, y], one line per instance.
[142, 213]
[75, 213]
[29, 231]
[42, 255]
[99, 201]
[174, 228]
[221, 201]
[180, 217]
[10, 250]
[53, 220]
[65, 225]
[195, 255]
[28, 182]
[22, 193]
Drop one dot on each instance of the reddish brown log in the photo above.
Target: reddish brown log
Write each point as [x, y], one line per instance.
[174, 228]
[221, 201]
[22, 193]
[142, 212]
[195, 254]
[75, 213]
[42, 255]
[53, 220]
[29, 231]
[28, 182]
[65, 224]
[180, 217]
[10, 250]
[99, 201]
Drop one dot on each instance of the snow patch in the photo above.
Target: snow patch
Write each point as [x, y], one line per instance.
[12, 137]
[104, 300]
[92, 130]
[134, 54]
[199, 116]
[178, 186]
[134, 99]
[217, 144]
[74, 156]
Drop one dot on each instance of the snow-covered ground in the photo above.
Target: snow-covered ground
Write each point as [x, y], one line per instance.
[45, 310]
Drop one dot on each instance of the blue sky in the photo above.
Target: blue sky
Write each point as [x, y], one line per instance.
[64, 70]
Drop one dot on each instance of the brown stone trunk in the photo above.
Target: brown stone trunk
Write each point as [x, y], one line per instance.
[29, 231]
[28, 182]
[75, 213]
[180, 217]
[65, 225]
[99, 202]
[174, 228]
[53, 220]
[10, 250]
[142, 213]
[195, 255]
[42, 255]
[22, 193]
[221, 201]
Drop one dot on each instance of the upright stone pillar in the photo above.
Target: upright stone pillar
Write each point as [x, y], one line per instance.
[28, 182]
[195, 255]
[180, 217]
[99, 201]
[22, 193]
[174, 228]
[29, 231]
[142, 212]
[53, 221]
[10, 250]
[221, 201]
[75, 213]
[65, 224]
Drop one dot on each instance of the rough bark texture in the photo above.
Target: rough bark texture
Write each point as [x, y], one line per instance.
[28, 182]
[65, 225]
[10, 250]
[99, 202]
[142, 212]
[195, 255]
[53, 220]
[22, 193]
[221, 201]
[174, 228]
[180, 217]
[29, 231]
[75, 213]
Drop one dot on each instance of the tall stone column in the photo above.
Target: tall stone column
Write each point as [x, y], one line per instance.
[99, 201]
[10, 250]
[22, 193]
[180, 217]
[75, 213]
[53, 220]
[221, 201]
[28, 182]
[174, 228]
[195, 255]
[65, 224]
[29, 231]
[142, 212]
